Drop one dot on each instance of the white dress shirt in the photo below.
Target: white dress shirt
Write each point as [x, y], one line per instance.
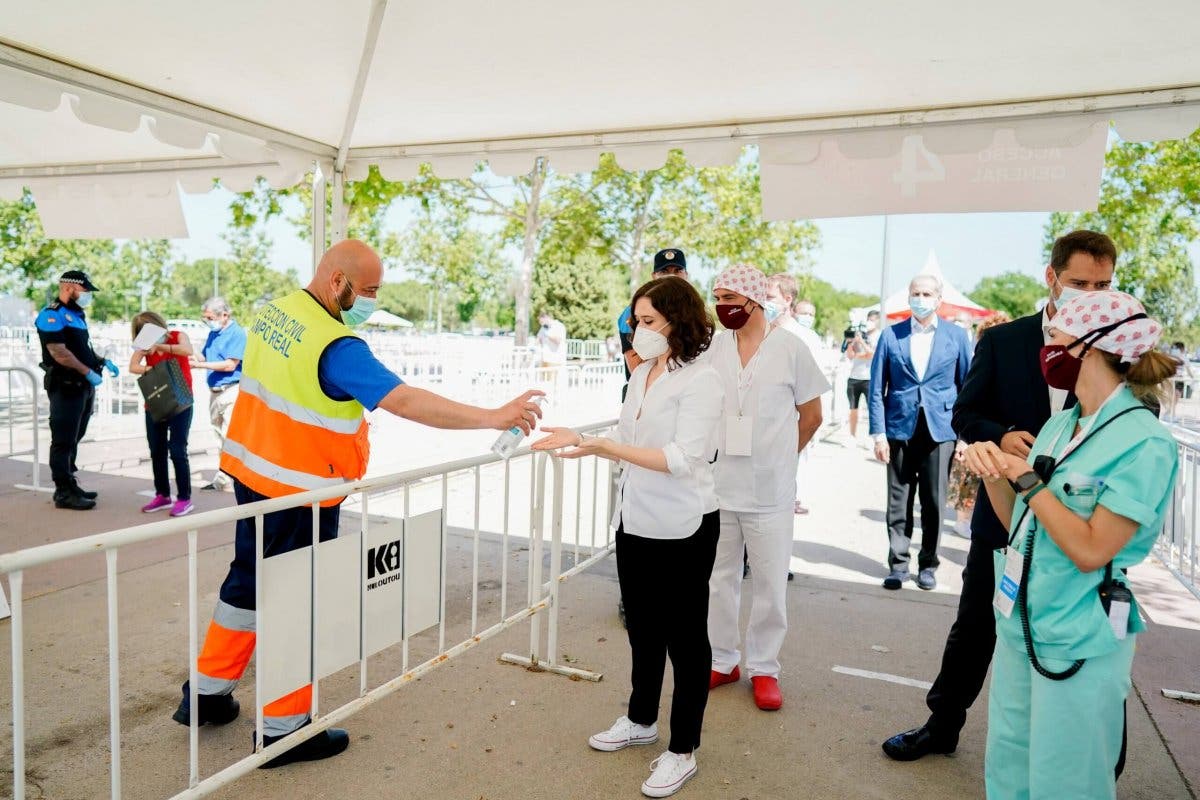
[921, 342]
[782, 375]
[679, 415]
[1058, 397]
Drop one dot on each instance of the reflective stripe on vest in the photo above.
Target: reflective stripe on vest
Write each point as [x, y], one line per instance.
[285, 434]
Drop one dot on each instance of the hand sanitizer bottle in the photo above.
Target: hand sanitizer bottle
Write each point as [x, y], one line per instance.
[511, 439]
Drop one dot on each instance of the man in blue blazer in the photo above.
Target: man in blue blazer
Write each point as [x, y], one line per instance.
[918, 368]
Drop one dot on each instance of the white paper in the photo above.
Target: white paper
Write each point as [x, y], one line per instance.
[1118, 617]
[147, 336]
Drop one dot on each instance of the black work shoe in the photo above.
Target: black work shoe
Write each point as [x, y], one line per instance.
[69, 500]
[79, 490]
[326, 744]
[926, 580]
[896, 579]
[215, 709]
[917, 743]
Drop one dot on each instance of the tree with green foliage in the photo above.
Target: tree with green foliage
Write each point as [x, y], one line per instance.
[833, 305]
[1014, 293]
[1150, 206]
[585, 294]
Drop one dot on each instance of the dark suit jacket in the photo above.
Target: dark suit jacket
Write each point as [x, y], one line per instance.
[896, 396]
[1004, 391]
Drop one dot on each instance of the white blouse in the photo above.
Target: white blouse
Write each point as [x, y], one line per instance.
[679, 415]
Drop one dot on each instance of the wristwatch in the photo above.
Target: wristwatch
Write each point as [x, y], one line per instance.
[1025, 482]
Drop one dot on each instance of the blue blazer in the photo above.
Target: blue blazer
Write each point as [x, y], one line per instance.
[896, 395]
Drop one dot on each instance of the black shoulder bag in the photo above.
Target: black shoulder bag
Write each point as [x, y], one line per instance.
[165, 390]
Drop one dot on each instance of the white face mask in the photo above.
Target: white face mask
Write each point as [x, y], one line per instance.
[1066, 296]
[649, 344]
[806, 320]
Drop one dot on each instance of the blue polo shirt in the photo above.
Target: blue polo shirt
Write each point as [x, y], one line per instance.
[349, 370]
[229, 342]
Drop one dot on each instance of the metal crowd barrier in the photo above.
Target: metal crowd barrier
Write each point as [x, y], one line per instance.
[542, 595]
[18, 407]
[1176, 546]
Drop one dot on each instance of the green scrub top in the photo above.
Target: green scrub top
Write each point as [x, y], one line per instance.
[1129, 468]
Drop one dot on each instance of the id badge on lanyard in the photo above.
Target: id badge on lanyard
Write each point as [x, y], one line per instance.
[739, 428]
[1010, 582]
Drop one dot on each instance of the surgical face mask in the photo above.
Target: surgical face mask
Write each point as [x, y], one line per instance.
[362, 308]
[84, 300]
[649, 344]
[772, 312]
[1066, 294]
[213, 324]
[922, 307]
[806, 320]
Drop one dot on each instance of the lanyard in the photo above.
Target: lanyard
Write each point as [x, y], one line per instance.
[1084, 430]
[745, 375]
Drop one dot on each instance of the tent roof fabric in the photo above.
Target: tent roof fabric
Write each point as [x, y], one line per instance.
[232, 89]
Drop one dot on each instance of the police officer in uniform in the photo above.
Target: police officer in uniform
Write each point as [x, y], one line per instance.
[73, 371]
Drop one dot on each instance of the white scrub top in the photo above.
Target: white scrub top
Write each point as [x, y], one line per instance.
[782, 375]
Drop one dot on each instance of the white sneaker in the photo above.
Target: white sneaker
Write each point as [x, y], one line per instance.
[622, 734]
[671, 772]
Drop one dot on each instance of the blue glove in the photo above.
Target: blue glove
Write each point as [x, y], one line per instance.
[95, 378]
[112, 368]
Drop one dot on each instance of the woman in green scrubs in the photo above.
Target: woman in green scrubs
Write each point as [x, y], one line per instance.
[1087, 505]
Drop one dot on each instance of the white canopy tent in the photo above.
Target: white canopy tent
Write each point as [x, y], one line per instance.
[955, 304]
[109, 110]
[386, 319]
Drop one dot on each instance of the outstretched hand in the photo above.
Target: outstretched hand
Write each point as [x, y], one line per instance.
[580, 445]
[521, 413]
[989, 462]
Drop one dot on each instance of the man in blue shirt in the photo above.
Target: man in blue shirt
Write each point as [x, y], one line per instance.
[222, 356]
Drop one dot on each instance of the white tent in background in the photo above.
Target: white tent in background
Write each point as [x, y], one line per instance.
[386, 319]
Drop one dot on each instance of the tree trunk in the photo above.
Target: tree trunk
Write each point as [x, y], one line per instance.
[533, 223]
[635, 255]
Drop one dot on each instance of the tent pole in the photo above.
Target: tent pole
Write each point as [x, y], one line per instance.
[883, 276]
[318, 216]
[337, 216]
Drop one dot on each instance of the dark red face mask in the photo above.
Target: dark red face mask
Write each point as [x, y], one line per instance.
[1059, 367]
[733, 317]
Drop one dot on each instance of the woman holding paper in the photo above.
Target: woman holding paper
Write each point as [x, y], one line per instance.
[168, 437]
[666, 519]
[1085, 507]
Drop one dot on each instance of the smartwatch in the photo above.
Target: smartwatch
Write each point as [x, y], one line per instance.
[1025, 482]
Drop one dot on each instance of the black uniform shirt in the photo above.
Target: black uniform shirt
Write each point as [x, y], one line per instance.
[66, 323]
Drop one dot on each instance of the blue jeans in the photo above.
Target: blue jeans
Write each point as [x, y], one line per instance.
[170, 438]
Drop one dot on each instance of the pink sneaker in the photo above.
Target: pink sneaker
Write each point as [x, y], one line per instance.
[157, 504]
[181, 507]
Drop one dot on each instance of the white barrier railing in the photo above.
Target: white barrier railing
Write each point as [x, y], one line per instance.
[1176, 546]
[17, 404]
[587, 350]
[541, 595]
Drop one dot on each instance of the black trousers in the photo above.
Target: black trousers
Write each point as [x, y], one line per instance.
[969, 648]
[918, 466]
[169, 438]
[664, 583]
[70, 410]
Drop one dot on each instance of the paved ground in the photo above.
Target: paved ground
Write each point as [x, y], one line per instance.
[477, 729]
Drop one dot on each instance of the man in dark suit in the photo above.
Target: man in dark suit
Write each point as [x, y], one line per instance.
[1005, 400]
[918, 368]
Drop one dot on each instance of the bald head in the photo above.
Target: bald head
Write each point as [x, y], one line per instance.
[347, 269]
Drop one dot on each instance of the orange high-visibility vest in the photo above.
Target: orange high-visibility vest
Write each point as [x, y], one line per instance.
[286, 435]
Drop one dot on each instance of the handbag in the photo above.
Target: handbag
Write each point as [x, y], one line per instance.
[165, 390]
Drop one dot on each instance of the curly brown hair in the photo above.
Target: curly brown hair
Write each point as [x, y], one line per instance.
[691, 327]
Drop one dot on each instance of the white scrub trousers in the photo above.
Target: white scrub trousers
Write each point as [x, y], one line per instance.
[767, 539]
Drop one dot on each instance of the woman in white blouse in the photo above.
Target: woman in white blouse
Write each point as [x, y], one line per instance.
[667, 521]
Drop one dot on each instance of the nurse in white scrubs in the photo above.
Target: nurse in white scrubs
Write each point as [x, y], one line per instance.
[772, 408]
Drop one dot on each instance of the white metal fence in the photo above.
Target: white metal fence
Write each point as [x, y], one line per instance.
[1177, 544]
[22, 420]
[590, 509]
